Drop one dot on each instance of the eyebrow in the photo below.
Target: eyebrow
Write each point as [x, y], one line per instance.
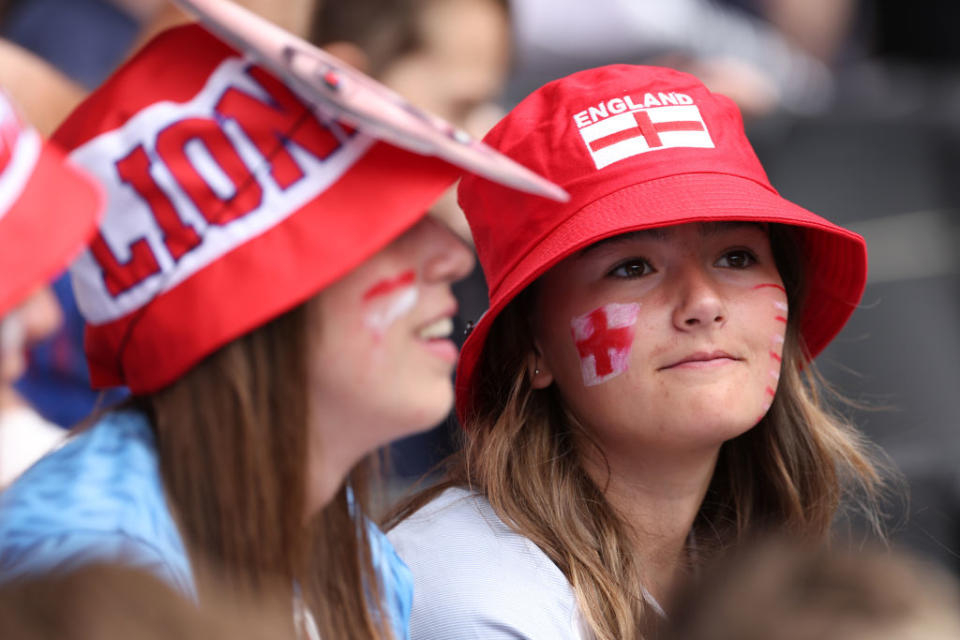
[707, 229]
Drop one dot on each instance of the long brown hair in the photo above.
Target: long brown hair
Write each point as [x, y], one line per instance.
[522, 453]
[232, 441]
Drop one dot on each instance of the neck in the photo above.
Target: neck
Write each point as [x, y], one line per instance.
[330, 455]
[658, 495]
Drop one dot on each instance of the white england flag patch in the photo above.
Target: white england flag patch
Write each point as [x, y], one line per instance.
[641, 130]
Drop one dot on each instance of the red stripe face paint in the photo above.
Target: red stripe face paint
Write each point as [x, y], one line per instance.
[770, 285]
[388, 300]
[390, 285]
[779, 314]
[603, 339]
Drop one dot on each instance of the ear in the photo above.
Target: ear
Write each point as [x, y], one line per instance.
[538, 371]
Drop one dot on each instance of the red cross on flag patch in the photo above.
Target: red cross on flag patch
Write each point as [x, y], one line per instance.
[640, 130]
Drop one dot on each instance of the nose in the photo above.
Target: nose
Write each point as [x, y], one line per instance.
[449, 258]
[700, 304]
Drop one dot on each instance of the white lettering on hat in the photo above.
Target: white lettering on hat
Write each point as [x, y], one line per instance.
[616, 106]
[672, 122]
[188, 182]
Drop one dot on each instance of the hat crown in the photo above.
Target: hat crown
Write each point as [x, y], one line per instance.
[596, 132]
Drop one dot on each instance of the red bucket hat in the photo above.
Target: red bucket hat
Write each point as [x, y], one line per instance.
[48, 209]
[636, 147]
[230, 200]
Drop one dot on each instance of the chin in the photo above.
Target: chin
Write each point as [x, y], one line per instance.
[713, 426]
[434, 406]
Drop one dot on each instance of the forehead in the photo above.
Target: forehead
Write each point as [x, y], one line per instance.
[705, 229]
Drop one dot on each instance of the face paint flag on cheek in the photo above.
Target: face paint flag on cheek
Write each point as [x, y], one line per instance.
[603, 339]
[389, 300]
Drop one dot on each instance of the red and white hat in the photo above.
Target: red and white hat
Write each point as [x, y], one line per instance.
[230, 200]
[48, 209]
[636, 147]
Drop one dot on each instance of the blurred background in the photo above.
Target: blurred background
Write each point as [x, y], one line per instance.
[852, 105]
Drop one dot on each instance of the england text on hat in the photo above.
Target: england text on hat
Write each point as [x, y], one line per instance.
[616, 106]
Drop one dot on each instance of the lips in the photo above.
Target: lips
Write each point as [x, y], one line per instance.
[704, 358]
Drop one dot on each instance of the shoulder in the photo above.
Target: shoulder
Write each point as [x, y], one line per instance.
[476, 577]
[98, 498]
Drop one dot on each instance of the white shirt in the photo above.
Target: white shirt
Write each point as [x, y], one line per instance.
[475, 578]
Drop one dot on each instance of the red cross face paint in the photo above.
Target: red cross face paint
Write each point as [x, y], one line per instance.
[779, 311]
[603, 339]
[388, 300]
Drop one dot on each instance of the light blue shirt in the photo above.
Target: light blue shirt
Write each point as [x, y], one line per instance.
[100, 498]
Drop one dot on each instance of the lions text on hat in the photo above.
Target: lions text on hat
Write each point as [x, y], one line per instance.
[620, 128]
[202, 177]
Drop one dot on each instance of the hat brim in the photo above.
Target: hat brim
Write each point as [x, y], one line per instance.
[835, 258]
[46, 227]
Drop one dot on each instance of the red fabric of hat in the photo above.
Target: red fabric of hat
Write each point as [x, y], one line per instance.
[48, 209]
[637, 147]
[229, 201]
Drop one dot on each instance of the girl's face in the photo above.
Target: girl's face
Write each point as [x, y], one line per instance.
[382, 355]
[668, 338]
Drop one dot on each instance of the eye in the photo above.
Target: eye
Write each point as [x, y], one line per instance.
[737, 259]
[632, 268]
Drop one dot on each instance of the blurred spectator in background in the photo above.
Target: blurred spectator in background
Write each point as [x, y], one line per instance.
[450, 57]
[24, 435]
[52, 52]
[44, 93]
[744, 56]
[782, 592]
[47, 213]
[103, 602]
[157, 15]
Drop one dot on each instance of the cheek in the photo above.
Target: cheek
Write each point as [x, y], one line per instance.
[603, 339]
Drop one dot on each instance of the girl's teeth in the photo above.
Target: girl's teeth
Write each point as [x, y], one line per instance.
[442, 328]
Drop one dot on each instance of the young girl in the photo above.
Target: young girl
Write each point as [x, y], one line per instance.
[267, 286]
[640, 394]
